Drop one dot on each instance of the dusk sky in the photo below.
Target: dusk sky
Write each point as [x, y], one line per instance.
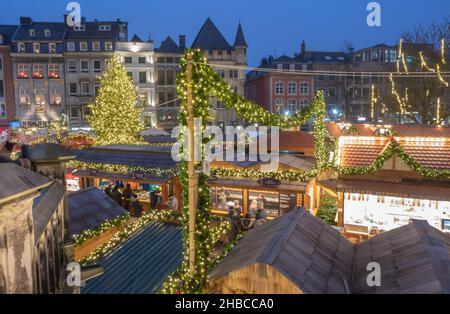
[270, 27]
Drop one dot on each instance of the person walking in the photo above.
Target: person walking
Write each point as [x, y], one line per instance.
[136, 207]
[107, 190]
[127, 195]
[155, 199]
[116, 195]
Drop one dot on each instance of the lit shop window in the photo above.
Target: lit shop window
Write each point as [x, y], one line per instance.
[38, 71]
[53, 71]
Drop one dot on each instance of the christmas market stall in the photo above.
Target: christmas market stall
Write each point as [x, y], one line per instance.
[384, 182]
[245, 185]
[147, 169]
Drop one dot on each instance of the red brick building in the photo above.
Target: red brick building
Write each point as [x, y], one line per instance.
[278, 91]
[7, 108]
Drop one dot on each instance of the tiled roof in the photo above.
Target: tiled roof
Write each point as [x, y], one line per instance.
[142, 263]
[357, 152]
[431, 153]
[324, 56]
[89, 208]
[210, 38]
[57, 31]
[136, 39]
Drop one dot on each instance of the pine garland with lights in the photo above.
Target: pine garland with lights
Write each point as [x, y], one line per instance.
[76, 164]
[114, 115]
[129, 230]
[100, 229]
[207, 83]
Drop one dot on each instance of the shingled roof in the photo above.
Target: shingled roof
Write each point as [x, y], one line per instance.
[210, 38]
[310, 253]
[89, 208]
[314, 256]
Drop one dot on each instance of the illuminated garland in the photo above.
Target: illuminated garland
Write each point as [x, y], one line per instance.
[129, 230]
[76, 164]
[100, 229]
[280, 175]
[206, 83]
[173, 283]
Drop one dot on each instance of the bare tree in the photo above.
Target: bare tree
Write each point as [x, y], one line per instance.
[424, 100]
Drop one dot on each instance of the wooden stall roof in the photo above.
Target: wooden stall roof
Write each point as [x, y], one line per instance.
[310, 253]
[157, 157]
[404, 189]
[89, 208]
[414, 258]
[431, 153]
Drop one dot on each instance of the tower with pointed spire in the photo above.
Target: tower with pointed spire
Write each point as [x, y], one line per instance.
[240, 45]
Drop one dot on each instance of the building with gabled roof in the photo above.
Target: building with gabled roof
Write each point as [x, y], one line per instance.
[299, 253]
[7, 105]
[32, 231]
[230, 61]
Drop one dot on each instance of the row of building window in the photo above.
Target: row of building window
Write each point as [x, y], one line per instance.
[280, 66]
[129, 60]
[232, 74]
[39, 97]
[38, 71]
[84, 46]
[292, 88]
[290, 107]
[37, 47]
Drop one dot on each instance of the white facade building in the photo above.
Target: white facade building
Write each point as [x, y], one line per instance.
[138, 58]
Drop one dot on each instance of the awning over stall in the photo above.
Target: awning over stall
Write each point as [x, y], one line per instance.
[400, 189]
[141, 177]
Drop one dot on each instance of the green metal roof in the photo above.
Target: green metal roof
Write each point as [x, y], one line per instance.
[142, 263]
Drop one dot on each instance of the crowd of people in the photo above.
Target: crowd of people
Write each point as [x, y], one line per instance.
[256, 215]
[130, 201]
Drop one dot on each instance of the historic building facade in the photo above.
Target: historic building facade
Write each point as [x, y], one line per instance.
[87, 49]
[37, 57]
[139, 60]
[168, 57]
[7, 106]
[277, 90]
[229, 61]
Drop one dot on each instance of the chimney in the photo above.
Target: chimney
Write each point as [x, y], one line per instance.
[182, 42]
[302, 51]
[65, 18]
[25, 20]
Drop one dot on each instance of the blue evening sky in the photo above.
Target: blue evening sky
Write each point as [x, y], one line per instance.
[270, 26]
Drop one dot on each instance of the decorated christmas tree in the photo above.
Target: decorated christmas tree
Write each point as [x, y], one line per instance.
[114, 116]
